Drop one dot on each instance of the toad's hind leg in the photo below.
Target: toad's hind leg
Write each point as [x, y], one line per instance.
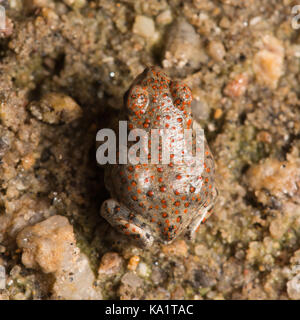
[204, 214]
[195, 224]
[126, 221]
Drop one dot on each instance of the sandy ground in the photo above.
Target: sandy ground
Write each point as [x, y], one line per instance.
[65, 66]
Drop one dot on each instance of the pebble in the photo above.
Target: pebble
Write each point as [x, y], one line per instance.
[37, 247]
[255, 20]
[268, 62]
[200, 250]
[264, 136]
[225, 23]
[28, 161]
[111, 263]
[50, 246]
[30, 5]
[49, 15]
[159, 294]
[143, 270]
[200, 107]
[15, 271]
[158, 275]
[75, 3]
[144, 27]
[8, 30]
[178, 293]
[133, 263]
[293, 287]
[164, 18]
[278, 178]
[296, 50]
[236, 87]
[218, 113]
[55, 108]
[132, 280]
[178, 248]
[183, 47]
[216, 50]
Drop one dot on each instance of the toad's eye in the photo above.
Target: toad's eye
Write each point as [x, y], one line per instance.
[181, 94]
[137, 100]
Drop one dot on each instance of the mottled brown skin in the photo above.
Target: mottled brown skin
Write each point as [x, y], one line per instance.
[159, 201]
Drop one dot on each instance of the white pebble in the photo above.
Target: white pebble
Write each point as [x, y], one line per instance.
[143, 270]
[164, 18]
[255, 20]
[144, 27]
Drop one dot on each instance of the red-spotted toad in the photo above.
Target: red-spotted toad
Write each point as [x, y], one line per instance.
[159, 201]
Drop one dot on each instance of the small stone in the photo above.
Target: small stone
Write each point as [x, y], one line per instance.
[225, 23]
[200, 107]
[293, 287]
[75, 3]
[264, 136]
[4, 296]
[144, 27]
[111, 264]
[177, 248]
[165, 17]
[8, 28]
[15, 271]
[133, 263]
[158, 275]
[143, 270]
[28, 161]
[55, 108]
[3, 147]
[38, 250]
[159, 294]
[184, 50]
[50, 246]
[237, 87]
[218, 113]
[274, 180]
[216, 50]
[49, 15]
[296, 50]
[268, 62]
[30, 5]
[197, 297]
[132, 280]
[255, 20]
[131, 287]
[178, 293]
[19, 296]
[201, 250]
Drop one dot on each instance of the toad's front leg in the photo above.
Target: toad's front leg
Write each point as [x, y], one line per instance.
[126, 221]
